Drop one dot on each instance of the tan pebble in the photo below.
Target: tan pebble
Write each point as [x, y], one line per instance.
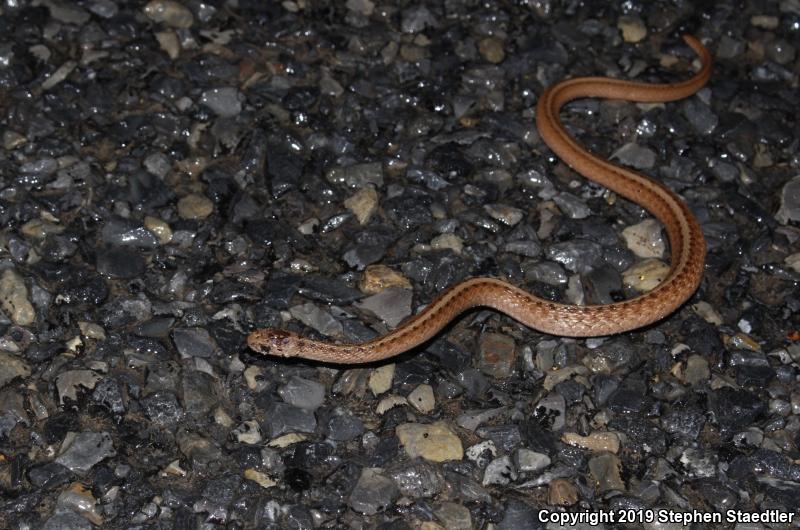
[492, 50]
[363, 204]
[595, 442]
[259, 478]
[286, 440]
[159, 228]
[644, 239]
[632, 28]
[222, 418]
[380, 379]
[696, 370]
[39, 229]
[646, 275]
[708, 313]
[562, 374]
[765, 21]
[435, 442]
[169, 42]
[741, 341]
[447, 241]
[377, 278]
[14, 298]
[195, 206]
[170, 13]
[192, 166]
[174, 469]
[561, 492]
[12, 140]
[422, 398]
[254, 377]
[793, 261]
[90, 330]
[390, 402]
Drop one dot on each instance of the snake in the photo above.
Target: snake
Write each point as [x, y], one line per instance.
[686, 241]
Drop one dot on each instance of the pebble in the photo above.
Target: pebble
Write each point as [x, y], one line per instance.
[223, 101]
[14, 299]
[169, 12]
[80, 452]
[419, 480]
[262, 479]
[633, 28]
[448, 242]
[317, 318]
[422, 399]
[482, 453]
[170, 43]
[68, 383]
[303, 393]
[120, 262]
[247, 433]
[195, 342]
[357, 175]
[329, 173]
[380, 379]
[389, 402]
[764, 21]
[67, 520]
[363, 204]
[158, 228]
[373, 493]
[492, 50]
[790, 202]
[282, 418]
[527, 461]
[507, 215]
[697, 370]
[342, 425]
[500, 471]
[595, 442]
[454, 516]
[255, 378]
[793, 261]
[391, 305]
[78, 499]
[435, 442]
[377, 278]
[645, 239]
[645, 275]
[634, 155]
[497, 354]
[561, 492]
[605, 468]
[194, 206]
[708, 313]
[572, 206]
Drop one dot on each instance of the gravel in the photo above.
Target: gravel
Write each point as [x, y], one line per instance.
[175, 174]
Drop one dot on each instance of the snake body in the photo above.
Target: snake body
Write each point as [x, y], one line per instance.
[683, 231]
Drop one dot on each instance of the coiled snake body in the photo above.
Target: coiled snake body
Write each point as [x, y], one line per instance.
[683, 231]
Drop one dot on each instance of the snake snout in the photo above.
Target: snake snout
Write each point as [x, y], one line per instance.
[271, 341]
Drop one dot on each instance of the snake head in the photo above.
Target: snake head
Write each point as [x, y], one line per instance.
[272, 341]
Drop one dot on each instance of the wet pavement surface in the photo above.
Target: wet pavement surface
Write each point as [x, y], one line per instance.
[175, 175]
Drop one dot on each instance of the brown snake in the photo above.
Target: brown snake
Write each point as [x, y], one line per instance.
[685, 239]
